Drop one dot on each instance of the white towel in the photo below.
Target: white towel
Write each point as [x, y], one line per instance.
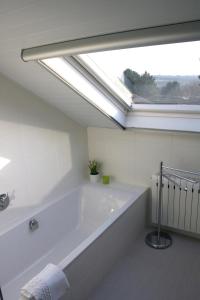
[50, 284]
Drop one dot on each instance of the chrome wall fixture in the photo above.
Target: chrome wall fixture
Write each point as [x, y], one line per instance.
[4, 201]
[33, 224]
[159, 239]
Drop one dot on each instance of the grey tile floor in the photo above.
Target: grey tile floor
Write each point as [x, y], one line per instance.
[148, 274]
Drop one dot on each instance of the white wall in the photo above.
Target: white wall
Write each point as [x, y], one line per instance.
[132, 156]
[46, 153]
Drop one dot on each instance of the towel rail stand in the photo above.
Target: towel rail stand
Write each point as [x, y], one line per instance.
[159, 239]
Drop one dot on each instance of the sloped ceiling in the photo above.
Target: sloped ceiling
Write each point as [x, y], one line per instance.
[29, 23]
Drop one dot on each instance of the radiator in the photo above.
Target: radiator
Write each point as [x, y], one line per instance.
[180, 208]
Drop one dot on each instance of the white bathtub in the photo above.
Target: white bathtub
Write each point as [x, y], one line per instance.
[84, 233]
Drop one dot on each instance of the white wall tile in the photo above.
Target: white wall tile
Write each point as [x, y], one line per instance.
[186, 151]
[132, 156]
[48, 153]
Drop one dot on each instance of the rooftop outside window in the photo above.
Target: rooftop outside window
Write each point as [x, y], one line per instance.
[161, 74]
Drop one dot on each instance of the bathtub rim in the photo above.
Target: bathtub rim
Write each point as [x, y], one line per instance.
[51, 202]
[39, 209]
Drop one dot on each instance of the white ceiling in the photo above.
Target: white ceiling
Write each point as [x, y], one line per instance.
[28, 23]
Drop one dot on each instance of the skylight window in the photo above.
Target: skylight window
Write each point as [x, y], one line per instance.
[141, 78]
[162, 74]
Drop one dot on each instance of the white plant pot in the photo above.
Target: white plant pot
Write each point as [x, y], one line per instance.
[94, 178]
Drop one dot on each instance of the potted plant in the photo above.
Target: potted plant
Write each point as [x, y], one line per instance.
[94, 172]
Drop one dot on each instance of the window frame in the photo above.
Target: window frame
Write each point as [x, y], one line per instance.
[120, 120]
[171, 33]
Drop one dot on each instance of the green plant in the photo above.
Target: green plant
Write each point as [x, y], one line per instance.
[93, 166]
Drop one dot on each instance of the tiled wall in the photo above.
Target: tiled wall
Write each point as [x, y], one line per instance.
[42, 152]
[132, 156]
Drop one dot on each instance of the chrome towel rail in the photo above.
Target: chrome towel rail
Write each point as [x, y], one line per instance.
[159, 239]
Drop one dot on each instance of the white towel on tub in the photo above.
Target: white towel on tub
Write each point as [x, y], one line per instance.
[50, 284]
